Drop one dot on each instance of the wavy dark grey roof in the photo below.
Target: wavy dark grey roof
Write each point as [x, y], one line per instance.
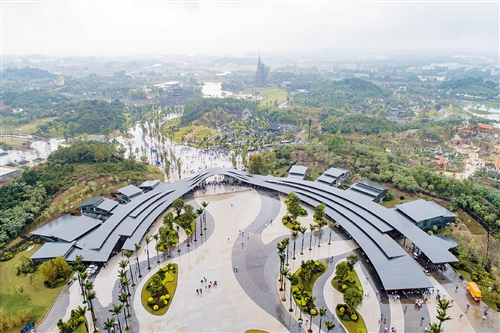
[366, 221]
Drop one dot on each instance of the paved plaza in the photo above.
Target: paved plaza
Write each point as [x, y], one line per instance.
[240, 234]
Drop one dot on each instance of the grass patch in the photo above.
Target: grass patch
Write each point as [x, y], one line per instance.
[481, 112]
[35, 297]
[474, 227]
[392, 203]
[14, 142]
[352, 276]
[170, 283]
[272, 94]
[465, 274]
[352, 326]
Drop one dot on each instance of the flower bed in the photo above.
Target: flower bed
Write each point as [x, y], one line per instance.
[159, 290]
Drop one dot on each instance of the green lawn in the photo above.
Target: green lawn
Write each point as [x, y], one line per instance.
[480, 112]
[171, 287]
[474, 227]
[15, 141]
[29, 128]
[356, 283]
[358, 326]
[271, 93]
[35, 296]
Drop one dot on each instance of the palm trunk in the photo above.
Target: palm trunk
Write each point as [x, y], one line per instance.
[310, 241]
[302, 249]
[131, 274]
[147, 252]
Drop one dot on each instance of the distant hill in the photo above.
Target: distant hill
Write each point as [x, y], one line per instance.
[472, 85]
[28, 73]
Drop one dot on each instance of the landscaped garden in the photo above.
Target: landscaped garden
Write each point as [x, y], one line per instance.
[159, 290]
[347, 282]
[23, 295]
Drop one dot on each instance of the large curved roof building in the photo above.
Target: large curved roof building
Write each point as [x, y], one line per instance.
[371, 225]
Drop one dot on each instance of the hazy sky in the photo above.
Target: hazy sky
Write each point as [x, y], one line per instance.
[235, 27]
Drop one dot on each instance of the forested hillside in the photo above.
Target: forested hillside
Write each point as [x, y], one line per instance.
[195, 110]
[338, 93]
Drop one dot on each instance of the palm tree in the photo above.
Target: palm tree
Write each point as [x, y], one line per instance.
[82, 277]
[116, 311]
[125, 282]
[109, 324]
[312, 311]
[81, 314]
[312, 227]
[303, 296]
[128, 254]
[284, 273]
[178, 239]
[442, 316]
[156, 237]
[122, 273]
[295, 234]
[73, 323]
[281, 253]
[302, 231]
[199, 212]
[123, 298]
[204, 205]
[147, 239]
[90, 296]
[123, 264]
[137, 248]
[322, 312]
[285, 242]
[289, 276]
[329, 325]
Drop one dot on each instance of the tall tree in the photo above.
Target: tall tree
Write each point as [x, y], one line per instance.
[156, 237]
[116, 310]
[147, 239]
[302, 231]
[137, 249]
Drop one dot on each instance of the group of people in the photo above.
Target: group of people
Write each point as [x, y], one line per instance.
[208, 285]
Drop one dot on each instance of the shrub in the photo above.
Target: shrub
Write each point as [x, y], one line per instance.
[295, 280]
[342, 310]
[354, 317]
[165, 302]
[344, 287]
[360, 289]
[167, 296]
[155, 307]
